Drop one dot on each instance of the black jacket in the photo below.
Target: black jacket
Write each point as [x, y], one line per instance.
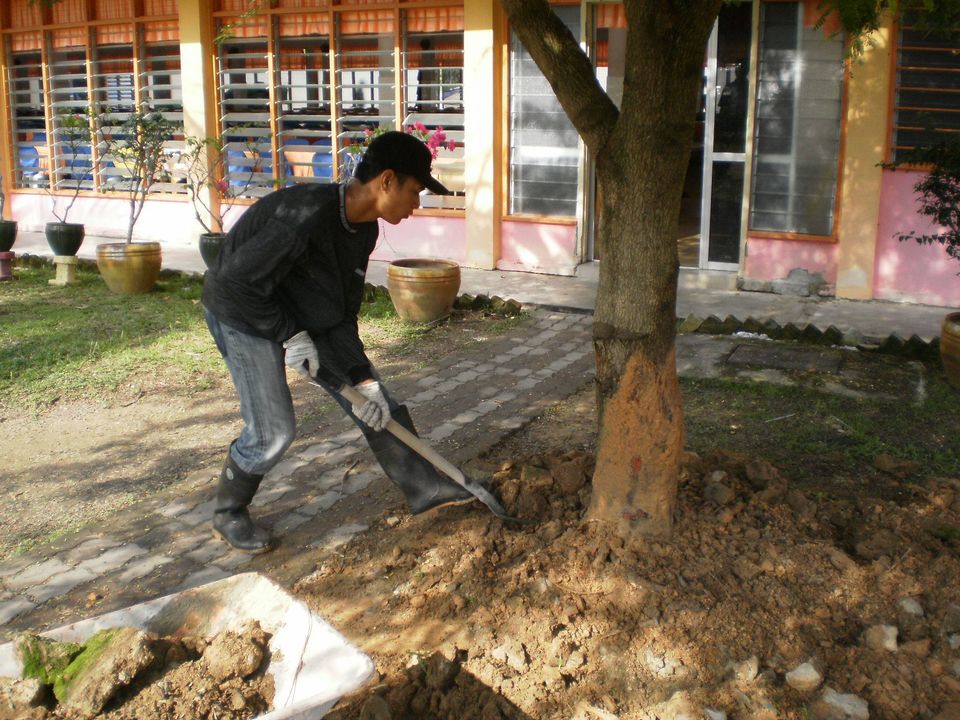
[293, 262]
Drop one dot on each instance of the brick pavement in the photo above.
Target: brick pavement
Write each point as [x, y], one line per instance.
[319, 496]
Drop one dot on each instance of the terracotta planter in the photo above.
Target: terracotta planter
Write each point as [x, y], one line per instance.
[950, 347]
[210, 244]
[129, 268]
[8, 234]
[423, 290]
[64, 239]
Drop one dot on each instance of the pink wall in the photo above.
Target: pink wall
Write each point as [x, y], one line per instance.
[538, 247]
[423, 236]
[769, 259]
[167, 221]
[906, 271]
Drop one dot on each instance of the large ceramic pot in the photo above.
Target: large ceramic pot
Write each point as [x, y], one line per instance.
[423, 290]
[64, 238]
[950, 347]
[210, 244]
[8, 234]
[129, 268]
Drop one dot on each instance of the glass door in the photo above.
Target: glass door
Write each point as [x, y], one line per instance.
[724, 140]
[712, 197]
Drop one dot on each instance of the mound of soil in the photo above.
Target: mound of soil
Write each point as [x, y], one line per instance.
[145, 677]
[766, 603]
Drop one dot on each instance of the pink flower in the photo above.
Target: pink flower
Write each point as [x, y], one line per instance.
[223, 186]
[420, 126]
[451, 145]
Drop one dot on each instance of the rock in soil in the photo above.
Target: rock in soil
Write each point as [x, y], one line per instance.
[110, 660]
[127, 674]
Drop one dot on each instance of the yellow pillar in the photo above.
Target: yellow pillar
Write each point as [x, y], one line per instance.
[6, 157]
[481, 108]
[868, 87]
[196, 72]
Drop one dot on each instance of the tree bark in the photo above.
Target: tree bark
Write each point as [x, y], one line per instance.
[641, 155]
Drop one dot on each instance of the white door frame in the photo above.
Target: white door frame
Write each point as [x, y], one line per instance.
[709, 157]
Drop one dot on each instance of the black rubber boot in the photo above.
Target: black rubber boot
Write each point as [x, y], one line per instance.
[423, 485]
[231, 520]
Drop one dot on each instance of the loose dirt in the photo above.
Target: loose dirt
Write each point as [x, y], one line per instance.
[469, 618]
[773, 599]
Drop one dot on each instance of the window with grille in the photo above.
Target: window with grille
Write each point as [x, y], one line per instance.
[71, 153]
[245, 109]
[366, 81]
[27, 118]
[432, 62]
[337, 79]
[90, 84]
[544, 154]
[797, 128]
[303, 97]
[114, 93]
[927, 92]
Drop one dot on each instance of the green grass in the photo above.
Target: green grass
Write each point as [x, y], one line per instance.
[82, 341]
[67, 342]
[823, 440]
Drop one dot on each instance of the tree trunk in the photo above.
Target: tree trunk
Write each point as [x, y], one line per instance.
[641, 155]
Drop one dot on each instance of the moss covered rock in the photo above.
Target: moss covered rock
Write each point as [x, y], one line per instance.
[44, 659]
[110, 659]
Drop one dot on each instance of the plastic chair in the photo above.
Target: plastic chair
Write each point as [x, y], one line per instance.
[323, 160]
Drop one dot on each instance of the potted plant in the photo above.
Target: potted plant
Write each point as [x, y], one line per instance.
[136, 148]
[939, 195]
[203, 165]
[8, 228]
[71, 137]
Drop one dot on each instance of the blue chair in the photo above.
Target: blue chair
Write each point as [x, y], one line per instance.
[29, 157]
[28, 161]
[323, 160]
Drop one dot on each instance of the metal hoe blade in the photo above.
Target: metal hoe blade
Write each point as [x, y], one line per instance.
[419, 446]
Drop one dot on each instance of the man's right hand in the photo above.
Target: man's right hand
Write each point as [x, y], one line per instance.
[301, 354]
[375, 413]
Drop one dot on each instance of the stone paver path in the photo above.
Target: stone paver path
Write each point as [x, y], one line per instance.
[318, 497]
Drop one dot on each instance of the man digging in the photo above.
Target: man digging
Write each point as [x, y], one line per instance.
[286, 290]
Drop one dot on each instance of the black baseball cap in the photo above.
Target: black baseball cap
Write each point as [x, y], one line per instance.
[404, 154]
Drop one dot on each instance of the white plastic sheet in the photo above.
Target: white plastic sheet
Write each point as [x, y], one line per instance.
[312, 664]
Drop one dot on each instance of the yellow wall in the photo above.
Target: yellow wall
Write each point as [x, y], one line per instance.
[481, 109]
[865, 143]
[197, 83]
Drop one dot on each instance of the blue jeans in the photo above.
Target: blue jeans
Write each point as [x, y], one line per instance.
[260, 377]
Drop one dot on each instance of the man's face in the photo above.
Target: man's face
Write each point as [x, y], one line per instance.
[398, 200]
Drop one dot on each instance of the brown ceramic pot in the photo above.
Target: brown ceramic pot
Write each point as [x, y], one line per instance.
[423, 290]
[950, 347]
[129, 268]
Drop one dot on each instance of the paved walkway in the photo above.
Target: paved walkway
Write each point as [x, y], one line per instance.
[163, 544]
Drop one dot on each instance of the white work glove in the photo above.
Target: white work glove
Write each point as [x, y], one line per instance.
[375, 412]
[299, 350]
